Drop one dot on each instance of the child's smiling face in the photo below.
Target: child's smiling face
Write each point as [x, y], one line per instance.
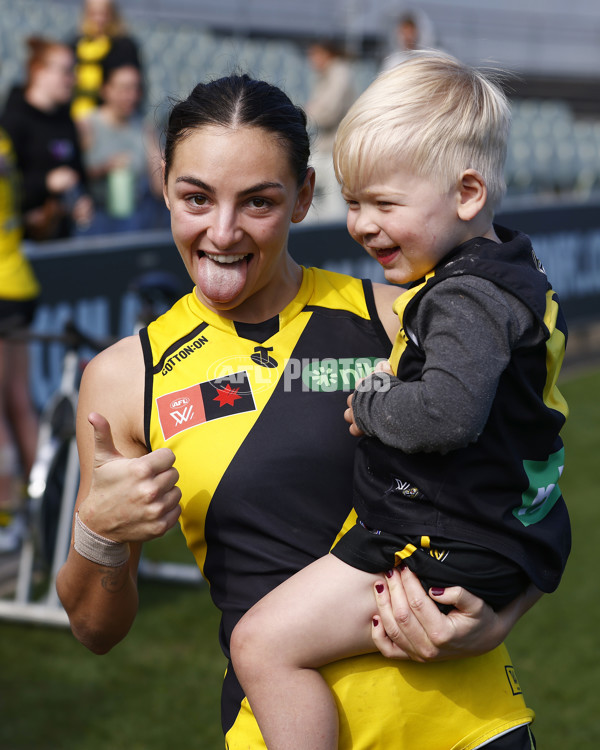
[405, 222]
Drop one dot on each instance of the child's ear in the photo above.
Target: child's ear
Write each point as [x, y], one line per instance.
[472, 194]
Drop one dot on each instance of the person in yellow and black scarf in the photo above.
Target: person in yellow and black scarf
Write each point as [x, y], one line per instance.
[103, 41]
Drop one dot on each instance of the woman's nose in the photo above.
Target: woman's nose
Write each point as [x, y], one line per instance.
[224, 230]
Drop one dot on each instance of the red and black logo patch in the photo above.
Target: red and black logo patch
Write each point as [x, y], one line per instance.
[203, 402]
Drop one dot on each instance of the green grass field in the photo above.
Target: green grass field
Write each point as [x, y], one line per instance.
[159, 689]
[555, 646]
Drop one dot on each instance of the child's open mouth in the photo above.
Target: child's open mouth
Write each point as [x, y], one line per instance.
[386, 254]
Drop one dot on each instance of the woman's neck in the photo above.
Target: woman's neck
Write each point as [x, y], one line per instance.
[38, 98]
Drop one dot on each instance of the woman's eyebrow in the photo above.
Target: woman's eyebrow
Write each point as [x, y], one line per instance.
[259, 187]
[195, 181]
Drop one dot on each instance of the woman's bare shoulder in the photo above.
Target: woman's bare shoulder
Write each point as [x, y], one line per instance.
[385, 296]
[120, 362]
[113, 385]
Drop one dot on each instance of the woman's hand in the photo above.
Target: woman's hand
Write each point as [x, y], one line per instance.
[410, 626]
[61, 179]
[130, 499]
[349, 417]
[125, 494]
[384, 366]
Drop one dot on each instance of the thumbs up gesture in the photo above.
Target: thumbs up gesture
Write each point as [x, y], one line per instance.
[130, 499]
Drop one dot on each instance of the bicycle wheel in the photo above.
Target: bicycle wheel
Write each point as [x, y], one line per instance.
[51, 502]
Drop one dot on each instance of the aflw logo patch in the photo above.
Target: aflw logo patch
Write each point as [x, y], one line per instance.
[203, 402]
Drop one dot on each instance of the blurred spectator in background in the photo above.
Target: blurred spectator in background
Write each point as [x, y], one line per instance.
[122, 157]
[46, 143]
[330, 99]
[19, 290]
[103, 41]
[414, 30]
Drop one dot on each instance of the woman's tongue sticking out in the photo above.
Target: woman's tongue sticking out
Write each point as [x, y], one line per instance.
[221, 281]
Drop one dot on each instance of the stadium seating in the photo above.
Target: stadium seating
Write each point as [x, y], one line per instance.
[550, 151]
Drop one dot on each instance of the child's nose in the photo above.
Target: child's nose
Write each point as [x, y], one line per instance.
[365, 222]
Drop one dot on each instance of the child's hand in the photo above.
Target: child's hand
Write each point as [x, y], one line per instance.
[382, 366]
[349, 417]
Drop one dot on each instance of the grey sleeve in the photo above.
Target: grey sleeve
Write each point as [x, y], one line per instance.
[467, 327]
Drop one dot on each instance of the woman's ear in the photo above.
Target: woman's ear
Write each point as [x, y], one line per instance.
[164, 185]
[472, 195]
[304, 197]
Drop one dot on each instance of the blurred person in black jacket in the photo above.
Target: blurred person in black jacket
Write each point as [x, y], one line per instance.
[54, 190]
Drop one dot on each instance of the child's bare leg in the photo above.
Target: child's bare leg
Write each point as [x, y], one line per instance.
[321, 614]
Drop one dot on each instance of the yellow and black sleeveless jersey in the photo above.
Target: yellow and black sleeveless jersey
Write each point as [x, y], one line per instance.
[254, 415]
[17, 281]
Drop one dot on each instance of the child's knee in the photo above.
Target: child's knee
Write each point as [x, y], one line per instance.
[249, 644]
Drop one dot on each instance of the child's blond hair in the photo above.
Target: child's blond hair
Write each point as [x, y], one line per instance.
[435, 115]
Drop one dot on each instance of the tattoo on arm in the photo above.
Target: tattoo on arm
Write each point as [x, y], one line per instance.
[113, 580]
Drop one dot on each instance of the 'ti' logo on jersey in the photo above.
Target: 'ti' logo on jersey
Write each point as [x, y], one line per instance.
[262, 357]
[512, 680]
[203, 402]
